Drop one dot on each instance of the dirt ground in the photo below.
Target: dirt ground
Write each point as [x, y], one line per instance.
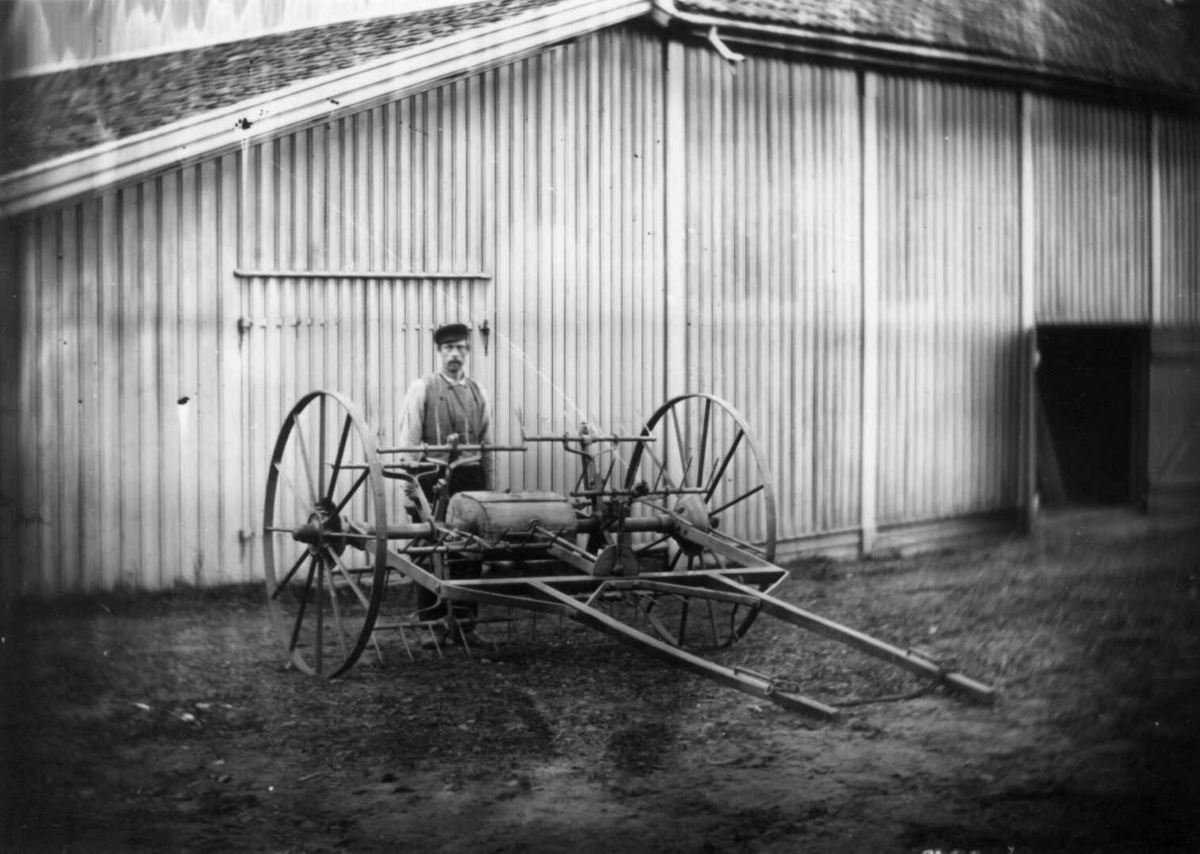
[169, 723]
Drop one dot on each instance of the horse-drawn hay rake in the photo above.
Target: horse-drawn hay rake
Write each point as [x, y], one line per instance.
[666, 542]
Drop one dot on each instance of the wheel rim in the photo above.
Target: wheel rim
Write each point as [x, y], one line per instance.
[705, 466]
[325, 577]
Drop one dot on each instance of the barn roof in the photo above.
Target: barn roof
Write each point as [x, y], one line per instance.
[97, 103]
[1150, 46]
[72, 131]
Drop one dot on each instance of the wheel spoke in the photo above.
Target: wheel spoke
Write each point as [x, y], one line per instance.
[318, 439]
[359, 481]
[652, 544]
[737, 500]
[716, 478]
[312, 492]
[720, 457]
[337, 460]
[320, 644]
[682, 447]
[362, 597]
[704, 436]
[303, 605]
[299, 562]
[337, 619]
[287, 481]
[321, 450]
[687, 470]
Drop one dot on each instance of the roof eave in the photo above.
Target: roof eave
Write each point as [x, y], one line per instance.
[246, 122]
[896, 55]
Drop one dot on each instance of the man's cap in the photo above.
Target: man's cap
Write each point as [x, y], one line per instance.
[451, 332]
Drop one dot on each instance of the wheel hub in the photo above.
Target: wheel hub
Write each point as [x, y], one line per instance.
[693, 510]
[322, 530]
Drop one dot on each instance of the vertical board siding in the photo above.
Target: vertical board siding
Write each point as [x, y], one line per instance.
[578, 279]
[538, 188]
[773, 241]
[580, 302]
[313, 332]
[12, 303]
[1091, 206]
[1180, 218]
[30, 566]
[949, 322]
[565, 149]
[381, 191]
[147, 382]
[128, 443]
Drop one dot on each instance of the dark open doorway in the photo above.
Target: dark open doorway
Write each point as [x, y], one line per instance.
[1091, 437]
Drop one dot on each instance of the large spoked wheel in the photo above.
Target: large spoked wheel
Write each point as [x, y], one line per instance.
[705, 469]
[325, 576]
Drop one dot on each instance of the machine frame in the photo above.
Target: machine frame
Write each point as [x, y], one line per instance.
[632, 560]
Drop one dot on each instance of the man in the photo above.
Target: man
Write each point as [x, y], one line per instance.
[440, 408]
[447, 403]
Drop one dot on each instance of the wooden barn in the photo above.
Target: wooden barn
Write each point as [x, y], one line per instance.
[943, 256]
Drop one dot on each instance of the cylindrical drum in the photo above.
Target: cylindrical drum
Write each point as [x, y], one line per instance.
[500, 516]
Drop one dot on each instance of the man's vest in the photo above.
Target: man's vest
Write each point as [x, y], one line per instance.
[451, 408]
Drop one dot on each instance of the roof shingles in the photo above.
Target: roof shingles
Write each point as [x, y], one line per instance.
[54, 114]
[1133, 44]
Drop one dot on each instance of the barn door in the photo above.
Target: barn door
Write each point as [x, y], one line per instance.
[366, 336]
[1173, 460]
